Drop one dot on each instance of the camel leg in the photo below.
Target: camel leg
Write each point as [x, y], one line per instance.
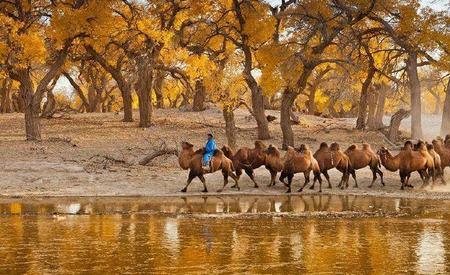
[306, 181]
[236, 180]
[189, 180]
[238, 172]
[327, 177]
[225, 180]
[374, 176]
[249, 171]
[403, 177]
[238, 175]
[283, 175]
[320, 181]
[353, 172]
[381, 175]
[441, 176]
[202, 178]
[290, 177]
[273, 175]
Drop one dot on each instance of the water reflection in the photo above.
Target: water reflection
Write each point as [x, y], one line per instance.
[230, 234]
[247, 205]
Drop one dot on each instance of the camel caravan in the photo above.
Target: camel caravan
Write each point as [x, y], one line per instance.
[427, 159]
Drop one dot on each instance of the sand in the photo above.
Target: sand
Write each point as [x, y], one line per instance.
[97, 155]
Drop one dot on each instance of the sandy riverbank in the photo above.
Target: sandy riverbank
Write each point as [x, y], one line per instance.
[95, 155]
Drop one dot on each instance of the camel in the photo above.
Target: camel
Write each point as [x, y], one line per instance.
[422, 149]
[439, 171]
[300, 161]
[330, 157]
[443, 152]
[191, 160]
[360, 158]
[274, 163]
[408, 161]
[247, 159]
[447, 141]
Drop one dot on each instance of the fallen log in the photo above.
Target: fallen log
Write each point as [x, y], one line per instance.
[164, 151]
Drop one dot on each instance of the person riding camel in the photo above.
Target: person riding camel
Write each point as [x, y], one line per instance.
[210, 147]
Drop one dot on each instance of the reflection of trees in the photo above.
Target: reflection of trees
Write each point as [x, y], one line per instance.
[261, 244]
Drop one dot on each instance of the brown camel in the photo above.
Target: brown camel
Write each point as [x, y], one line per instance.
[247, 159]
[407, 161]
[330, 157]
[360, 158]
[274, 163]
[300, 161]
[443, 152]
[447, 141]
[192, 160]
[437, 163]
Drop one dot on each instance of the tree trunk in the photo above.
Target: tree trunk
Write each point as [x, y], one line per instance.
[394, 126]
[312, 101]
[127, 101]
[199, 96]
[445, 124]
[49, 106]
[331, 108]
[32, 123]
[5, 94]
[372, 100]
[437, 107]
[144, 88]
[362, 111]
[416, 105]
[122, 83]
[380, 106]
[259, 113]
[287, 100]
[230, 126]
[157, 86]
[91, 98]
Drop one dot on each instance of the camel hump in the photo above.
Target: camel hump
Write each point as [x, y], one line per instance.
[430, 147]
[199, 151]
[323, 145]
[259, 144]
[272, 150]
[290, 152]
[290, 149]
[366, 146]
[217, 153]
[351, 147]
[334, 146]
[408, 144]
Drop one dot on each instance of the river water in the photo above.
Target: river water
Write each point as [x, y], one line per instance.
[286, 234]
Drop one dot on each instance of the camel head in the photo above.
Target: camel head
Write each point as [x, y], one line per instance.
[186, 145]
[302, 148]
[408, 145]
[227, 151]
[383, 152]
[437, 143]
[334, 146]
[420, 145]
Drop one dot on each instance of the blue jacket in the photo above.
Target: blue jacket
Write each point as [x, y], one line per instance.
[210, 147]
